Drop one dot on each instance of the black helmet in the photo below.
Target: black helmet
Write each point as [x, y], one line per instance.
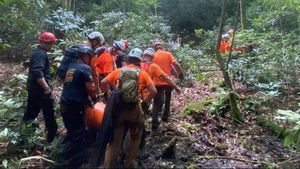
[84, 50]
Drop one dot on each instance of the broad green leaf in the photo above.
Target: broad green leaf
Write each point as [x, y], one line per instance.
[298, 142]
[290, 139]
[9, 103]
[4, 163]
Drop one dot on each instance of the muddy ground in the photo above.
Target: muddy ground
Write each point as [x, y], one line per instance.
[213, 141]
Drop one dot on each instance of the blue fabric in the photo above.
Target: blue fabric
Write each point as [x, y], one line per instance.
[39, 67]
[74, 90]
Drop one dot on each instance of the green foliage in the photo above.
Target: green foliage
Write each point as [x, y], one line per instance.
[7, 135]
[137, 6]
[137, 29]
[194, 109]
[280, 14]
[193, 61]
[12, 100]
[294, 118]
[65, 21]
[19, 138]
[274, 62]
[220, 106]
[20, 22]
[191, 14]
[271, 126]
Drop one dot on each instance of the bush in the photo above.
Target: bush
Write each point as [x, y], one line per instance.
[275, 60]
[280, 14]
[137, 29]
[20, 23]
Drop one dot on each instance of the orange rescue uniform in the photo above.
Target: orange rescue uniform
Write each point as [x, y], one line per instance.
[154, 71]
[224, 46]
[105, 63]
[143, 81]
[164, 60]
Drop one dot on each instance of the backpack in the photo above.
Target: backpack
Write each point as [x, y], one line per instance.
[129, 84]
[69, 57]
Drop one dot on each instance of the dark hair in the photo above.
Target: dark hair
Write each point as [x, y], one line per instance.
[133, 60]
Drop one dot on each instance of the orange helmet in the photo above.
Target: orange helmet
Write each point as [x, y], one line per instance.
[94, 115]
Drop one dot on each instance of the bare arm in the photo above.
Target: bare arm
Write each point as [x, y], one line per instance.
[96, 79]
[105, 85]
[178, 68]
[42, 82]
[123, 63]
[91, 90]
[152, 93]
[170, 82]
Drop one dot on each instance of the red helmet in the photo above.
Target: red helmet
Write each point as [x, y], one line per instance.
[47, 37]
[125, 43]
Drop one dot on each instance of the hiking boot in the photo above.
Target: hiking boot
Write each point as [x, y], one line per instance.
[165, 119]
[143, 139]
[154, 128]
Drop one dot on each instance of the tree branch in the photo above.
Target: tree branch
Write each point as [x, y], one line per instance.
[233, 37]
[35, 158]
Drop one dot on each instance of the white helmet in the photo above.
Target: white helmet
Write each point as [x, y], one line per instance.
[226, 36]
[119, 45]
[96, 35]
[136, 52]
[149, 51]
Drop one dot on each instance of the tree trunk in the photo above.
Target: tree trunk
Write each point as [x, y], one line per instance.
[235, 113]
[243, 14]
[74, 7]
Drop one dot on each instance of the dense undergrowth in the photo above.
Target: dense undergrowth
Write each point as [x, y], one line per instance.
[266, 77]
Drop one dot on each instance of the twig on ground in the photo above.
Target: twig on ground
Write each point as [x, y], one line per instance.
[35, 158]
[233, 158]
[289, 161]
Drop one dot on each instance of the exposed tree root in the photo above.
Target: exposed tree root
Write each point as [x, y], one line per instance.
[232, 158]
[289, 161]
[35, 158]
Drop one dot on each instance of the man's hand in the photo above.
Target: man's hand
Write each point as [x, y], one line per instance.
[178, 90]
[48, 93]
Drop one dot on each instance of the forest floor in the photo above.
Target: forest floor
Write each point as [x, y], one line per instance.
[211, 141]
[203, 140]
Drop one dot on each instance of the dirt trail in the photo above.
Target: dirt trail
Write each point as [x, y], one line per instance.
[7, 70]
[229, 146]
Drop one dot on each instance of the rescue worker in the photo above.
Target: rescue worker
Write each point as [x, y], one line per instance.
[77, 93]
[132, 117]
[40, 95]
[120, 59]
[155, 72]
[225, 43]
[165, 60]
[96, 40]
[106, 62]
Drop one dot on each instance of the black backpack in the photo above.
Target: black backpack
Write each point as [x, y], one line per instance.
[70, 56]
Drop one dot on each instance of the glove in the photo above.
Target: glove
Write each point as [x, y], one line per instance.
[48, 93]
